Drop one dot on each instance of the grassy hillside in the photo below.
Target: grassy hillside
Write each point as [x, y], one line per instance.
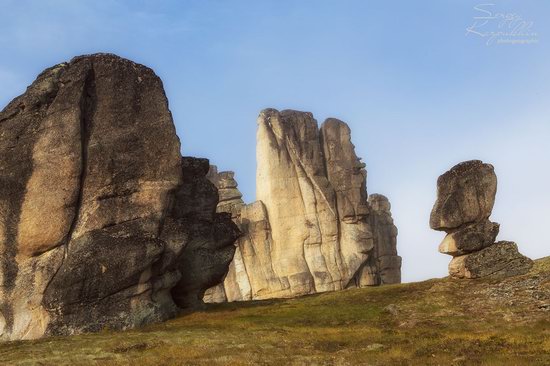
[436, 322]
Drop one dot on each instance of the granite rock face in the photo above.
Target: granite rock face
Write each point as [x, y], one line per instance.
[465, 194]
[311, 229]
[384, 265]
[89, 163]
[465, 199]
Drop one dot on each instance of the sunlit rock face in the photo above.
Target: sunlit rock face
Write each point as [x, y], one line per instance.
[311, 228]
[465, 199]
[90, 165]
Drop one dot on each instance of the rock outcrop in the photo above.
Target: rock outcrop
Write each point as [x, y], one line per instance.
[383, 265]
[89, 164]
[201, 240]
[465, 200]
[312, 228]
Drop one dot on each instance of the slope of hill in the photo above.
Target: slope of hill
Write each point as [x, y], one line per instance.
[436, 322]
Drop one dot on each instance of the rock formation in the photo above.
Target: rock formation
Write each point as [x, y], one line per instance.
[465, 200]
[312, 228]
[94, 208]
[201, 240]
[383, 265]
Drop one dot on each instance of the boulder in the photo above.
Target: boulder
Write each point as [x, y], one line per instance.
[499, 260]
[470, 238]
[465, 194]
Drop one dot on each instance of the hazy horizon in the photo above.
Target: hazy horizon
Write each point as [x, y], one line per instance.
[420, 92]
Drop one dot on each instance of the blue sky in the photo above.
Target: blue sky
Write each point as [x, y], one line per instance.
[419, 92]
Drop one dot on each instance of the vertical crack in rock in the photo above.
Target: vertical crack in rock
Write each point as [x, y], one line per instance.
[88, 104]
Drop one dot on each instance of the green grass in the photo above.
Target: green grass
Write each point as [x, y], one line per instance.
[436, 322]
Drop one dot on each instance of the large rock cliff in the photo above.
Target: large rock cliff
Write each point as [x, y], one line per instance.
[312, 228]
[90, 170]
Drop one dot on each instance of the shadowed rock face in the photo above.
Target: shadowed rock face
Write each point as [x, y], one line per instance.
[203, 238]
[89, 163]
[465, 199]
[311, 228]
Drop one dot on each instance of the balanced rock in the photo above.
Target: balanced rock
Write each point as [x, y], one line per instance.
[89, 161]
[465, 199]
[465, 194]
[311, 228]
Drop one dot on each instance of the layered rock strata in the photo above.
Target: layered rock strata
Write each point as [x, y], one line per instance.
[89, 164]
[465, 200]
[312, 228]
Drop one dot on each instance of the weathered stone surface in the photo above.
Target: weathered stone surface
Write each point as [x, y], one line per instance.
[383, 265]
[230, 198]
[465, 199]
[311, 229]
[347, 177]
[88, 158]
[470, 238]
[499, 260]
[465, 194]
[385, 241]
[201, 239]
[301, 204]
[89, 163]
